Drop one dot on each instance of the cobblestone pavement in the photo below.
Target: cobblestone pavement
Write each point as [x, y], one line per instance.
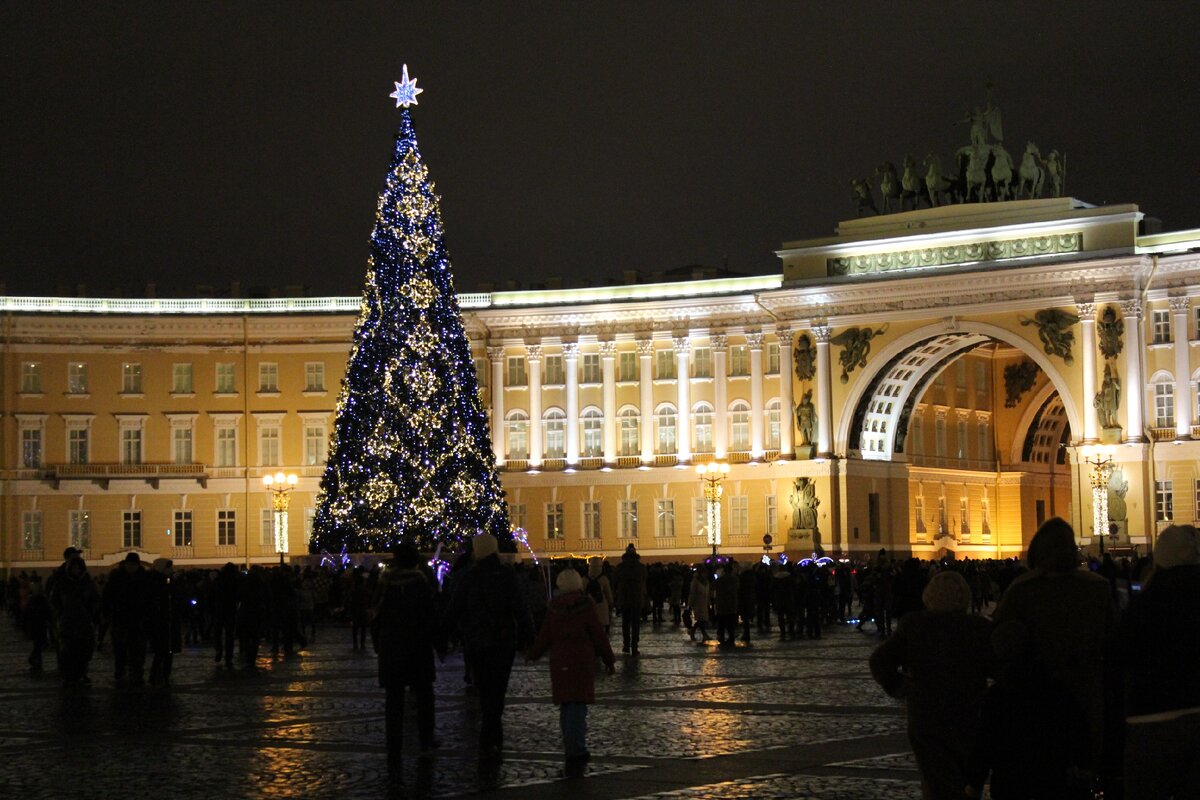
[775, 720]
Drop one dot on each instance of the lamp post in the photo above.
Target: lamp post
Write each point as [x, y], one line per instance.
[280, 486]
[1101, 472]
[711, 475]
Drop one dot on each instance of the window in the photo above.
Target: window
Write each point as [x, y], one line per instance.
[960, 375]
[227, 446]
[314, 376]
[1164, 405]
[919, 513]
[310, 514]
[591, 368]
[183, 528]
[665, 424]
[916, 433]
[699, 516]
[629, 367]
[314, 444]
[77, 378]
[268, 446]
[873, 517]
[939, 435]
[516, 371]
[629, 520]
[181, 379]
[516, 516]
[31, 378]
[554, 371]
[481, 372]
[985, 523]
[225, 384]
[1161, 321]
[518, 435]
[226, 527]
[31, 530]
[591, 519]
[31, 448]
[774, 423]
[665, 364]
[593, 433]
[739, 360]
[181, 445]
[79, 533]
[773, 358]
[267, 529]
[664, 519]
[739, 515]
[983, 445]
[964, 516]
[554, 521]
[772, 523]
[1164, 501]
[702, 362]
[77, 444]
[702, 417]
[268, 377]
[131, 529]
[629, 432]
[962, 438]
[981, 384]
[131, 445]
[739, 426]
[131, 378]
[555, 433]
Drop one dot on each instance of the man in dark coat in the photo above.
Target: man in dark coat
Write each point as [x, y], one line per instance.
[488, 611]
[631, 598]
[162, 620]
[407, 634]
[126, 603]
[747, 595]
[222, 602]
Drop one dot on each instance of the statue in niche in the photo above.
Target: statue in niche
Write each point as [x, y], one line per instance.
[1054, 329]
[806, 357]
[1108, 399]
[1018, 379]
[1056, 172]
[1110, 331]
[1118, 486]
[862, 196]
[804, 517]
[806, 419]
[856, 346]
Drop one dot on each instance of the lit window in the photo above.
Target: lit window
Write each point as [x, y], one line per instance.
[629, 432]
[77, 378]
[31, 378]
[131, 378]
[79, 534]
[31, 448]
[131, 445]
[774, 423]
[739, 426]
[593, 433]
[591, 519]
[772, 522]
[181, 445]
[664, 519]
[314, 444]
[629, 520]
[1164, 501]
[665, 423]
[702, 418]
[554, 521]
[666, 364]
[555, 427]
[227, 446]
[518, 435]
[739, 360]
[516, 516]
[1164, 405]
[31, 530]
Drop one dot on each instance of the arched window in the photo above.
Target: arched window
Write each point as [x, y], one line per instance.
[665, 421]
[739, 426]
[517, 423]
[774, 421]
[630, 446]
[702, 417]
[554, 423]
[593, 432]
[1164, 400]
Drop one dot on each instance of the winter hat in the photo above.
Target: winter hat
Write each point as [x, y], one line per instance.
[484, 545]
[1053, 547]
[595, 567]
[1177, 546]
[630, 551]
[569, 581]
[947, 591]
[133, 558]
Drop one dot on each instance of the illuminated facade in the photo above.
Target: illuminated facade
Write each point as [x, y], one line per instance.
[148, 424]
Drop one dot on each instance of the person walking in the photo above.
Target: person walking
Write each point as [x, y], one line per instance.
[162, 621]
[600, 590]
[408, 635]
[783, 601]
[74, 601]
[488, 612]
[574, 637]
[631, 598]
[223, 603]
[726, 604]
[698, 597]
[747, 595]
[126, 605]
[36, 621]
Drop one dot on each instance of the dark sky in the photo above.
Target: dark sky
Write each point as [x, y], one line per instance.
[187, 143]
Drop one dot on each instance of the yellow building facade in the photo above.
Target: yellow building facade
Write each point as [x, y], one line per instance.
[924, 382]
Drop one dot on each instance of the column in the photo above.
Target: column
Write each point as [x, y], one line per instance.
[496, 354]
[608, 358]
[1134, 388]
[571, 364]
[821, 335]
[787, 418]
[1180, 307]
[1087, 324]
[533, 356]
[645, 349]
[720, 349]
[757, 412]
[683, 381]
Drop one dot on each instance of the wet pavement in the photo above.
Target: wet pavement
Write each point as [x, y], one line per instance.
[774, 720]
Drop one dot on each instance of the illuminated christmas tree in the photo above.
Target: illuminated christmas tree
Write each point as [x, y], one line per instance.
[410, 458]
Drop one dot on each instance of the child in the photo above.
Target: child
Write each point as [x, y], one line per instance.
[573, 635]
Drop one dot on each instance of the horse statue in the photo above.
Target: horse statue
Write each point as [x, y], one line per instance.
[889, 185]
[936, 184]
[975, 173]
[1002, 173]
[1031, 172]
[910, 185]
[862, 195]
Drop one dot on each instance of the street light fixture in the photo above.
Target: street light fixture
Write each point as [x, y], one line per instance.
[711, 474]
[1101, 472]
[280, 486]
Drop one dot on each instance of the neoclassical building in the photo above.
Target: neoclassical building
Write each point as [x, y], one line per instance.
[928, 381]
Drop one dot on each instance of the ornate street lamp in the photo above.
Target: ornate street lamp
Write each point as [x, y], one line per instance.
[1101, 472]
[711, 475]
[280, 486]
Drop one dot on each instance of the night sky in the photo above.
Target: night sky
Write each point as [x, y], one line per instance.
[188, 143]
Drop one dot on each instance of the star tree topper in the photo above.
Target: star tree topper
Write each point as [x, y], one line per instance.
[406, 90]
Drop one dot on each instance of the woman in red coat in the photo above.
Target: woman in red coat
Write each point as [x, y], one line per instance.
[573, 635]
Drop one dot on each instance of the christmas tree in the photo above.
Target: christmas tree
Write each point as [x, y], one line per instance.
[410, 458]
